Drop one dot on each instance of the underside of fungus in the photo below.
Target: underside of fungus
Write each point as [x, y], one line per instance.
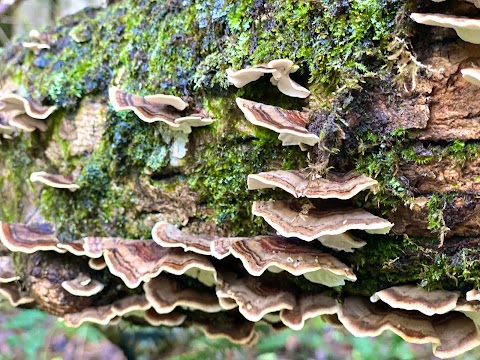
[164, 108]
[290, 124]
[467, 29]
[55, 180]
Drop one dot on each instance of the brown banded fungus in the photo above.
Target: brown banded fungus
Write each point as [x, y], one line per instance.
[290, 124]
[255, 297]
[28, 239]
[167, 235]
[152, 108]
[103, 315]
[410, 297]
[307, 307]
[297, 183]
[82, 285]
[97, 263]
[173, 318]
[15, 296]
[467, 29]
[277, 253]
[165, 294]
[55, 180]
[135, 261]
[17, 105]
[291, 222]
[451, 334]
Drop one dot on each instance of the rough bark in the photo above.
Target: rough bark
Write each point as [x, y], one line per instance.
[408, 117]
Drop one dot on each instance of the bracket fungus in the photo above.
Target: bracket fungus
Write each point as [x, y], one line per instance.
[55, 180]
[467, 29]
[260, 253]
[295, 182]
[167, 235]
[135, 261]
[472, 75]
[165, 294]
[410, 297]
[164, 108]
[307, 307]
[173, 318]
[28, 239]
[15, 296]
[290, 124]
[19, 105]
[451, 334]
[82, 285]
[290, 222]
[280, 70]
[254, 296]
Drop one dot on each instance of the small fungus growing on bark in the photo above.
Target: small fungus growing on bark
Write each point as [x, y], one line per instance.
[55, 180]
[82, 285]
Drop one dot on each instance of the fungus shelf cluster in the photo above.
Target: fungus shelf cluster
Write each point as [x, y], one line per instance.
[180, 278]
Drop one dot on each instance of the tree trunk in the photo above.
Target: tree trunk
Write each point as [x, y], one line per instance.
[394, 87]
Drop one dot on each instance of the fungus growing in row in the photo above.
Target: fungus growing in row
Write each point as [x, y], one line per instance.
[103, 315]
[164, 108]
[410, 297]
[73, 247]
[290, 124]
[467, 29]
[472, 75]
[451, 334]
[280, 70]
[297, 183]
[82, 285]
[55, 180]
[307, 307]
[165, 294]
[7, 270]
[276, 253]
[15, 296]
[290, 222]
[254, 296]
[173, 318]
[28, 239]
[135, 261]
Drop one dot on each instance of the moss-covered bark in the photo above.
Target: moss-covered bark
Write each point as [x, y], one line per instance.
[368, 72]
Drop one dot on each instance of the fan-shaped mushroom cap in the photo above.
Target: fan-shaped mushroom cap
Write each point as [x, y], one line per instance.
[410, 297]
[362, 318]
[281, 78]
[11, 291]
[260, 253]
[19, 105]
[165, 294]
[82, 285]
[104, 314]
[28, 239]
[254, 296]
[237, 329]
[135, 261]
[467, 29]
[156, 108]
[337, 186]
[307, 307]
[173, 318]
[73, 247]
[7, 270]
[472, 75]
[167, 235]
[290, 124]
[54, 180]
[289, 222]
[240, 78]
